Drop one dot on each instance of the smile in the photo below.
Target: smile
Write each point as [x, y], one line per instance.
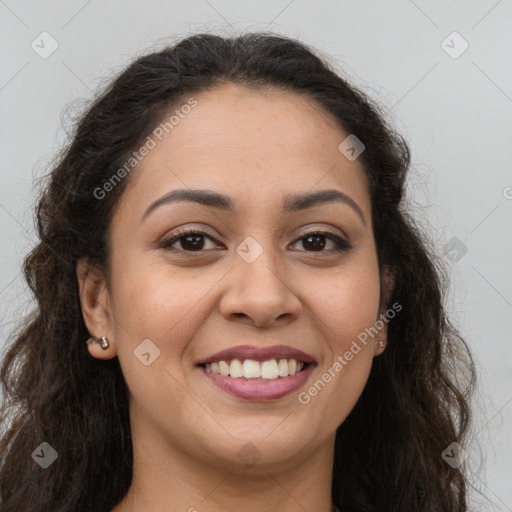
[251, 369]
[258, 380]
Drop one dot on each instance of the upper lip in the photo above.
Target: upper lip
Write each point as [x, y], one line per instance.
[242, 352]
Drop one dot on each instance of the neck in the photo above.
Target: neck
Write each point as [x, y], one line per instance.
[166, 477]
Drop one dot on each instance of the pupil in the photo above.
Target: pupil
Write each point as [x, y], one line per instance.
[317, 244]
[193, 245]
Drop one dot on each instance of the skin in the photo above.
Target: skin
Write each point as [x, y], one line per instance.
[257, 147]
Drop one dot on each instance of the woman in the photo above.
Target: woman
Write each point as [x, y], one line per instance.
[234, 311]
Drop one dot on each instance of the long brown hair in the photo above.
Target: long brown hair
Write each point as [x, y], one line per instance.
[388, 451]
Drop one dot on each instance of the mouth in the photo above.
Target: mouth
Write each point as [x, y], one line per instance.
[257, 371]
[260, 374]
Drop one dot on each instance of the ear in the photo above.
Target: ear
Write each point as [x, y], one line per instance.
[387, 287]
[95, 303]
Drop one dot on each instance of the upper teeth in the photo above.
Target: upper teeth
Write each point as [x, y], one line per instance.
[251, 369]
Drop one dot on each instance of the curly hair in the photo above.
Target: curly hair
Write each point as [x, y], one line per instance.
[388, 451]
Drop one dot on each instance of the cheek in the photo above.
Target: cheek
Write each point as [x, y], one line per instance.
[347, 303]
[157, 302]
[346, 313]
[347, 306]
[144, 297]
[151, 304]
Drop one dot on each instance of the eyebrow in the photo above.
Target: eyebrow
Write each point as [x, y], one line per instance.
[291, 203]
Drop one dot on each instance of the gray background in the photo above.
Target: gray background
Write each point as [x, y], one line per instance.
[455, 111]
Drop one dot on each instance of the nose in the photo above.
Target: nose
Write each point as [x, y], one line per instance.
[259, 293]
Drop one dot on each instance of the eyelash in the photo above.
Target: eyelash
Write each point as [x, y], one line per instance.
[341, 244]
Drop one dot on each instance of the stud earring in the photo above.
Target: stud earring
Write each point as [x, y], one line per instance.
[104, 344]
[381, 344]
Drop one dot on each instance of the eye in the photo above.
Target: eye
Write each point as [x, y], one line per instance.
[315, 240]
[193, 240]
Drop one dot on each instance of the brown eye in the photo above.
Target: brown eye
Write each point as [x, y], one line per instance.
[189, 241]
[316, 242]
[192, 242]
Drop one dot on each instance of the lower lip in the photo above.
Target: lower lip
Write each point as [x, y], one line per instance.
[260, 390]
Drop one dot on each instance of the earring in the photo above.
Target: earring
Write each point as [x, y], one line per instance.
[104, 344]
[381, 344]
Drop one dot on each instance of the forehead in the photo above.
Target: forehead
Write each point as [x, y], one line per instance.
[254, 145]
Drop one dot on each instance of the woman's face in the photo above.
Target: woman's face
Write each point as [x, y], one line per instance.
[251, 276]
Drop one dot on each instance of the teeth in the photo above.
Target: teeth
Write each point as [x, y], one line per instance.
[250, 369]
[282, 368]
[224, 368]
[269, 370]
[236, 369]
